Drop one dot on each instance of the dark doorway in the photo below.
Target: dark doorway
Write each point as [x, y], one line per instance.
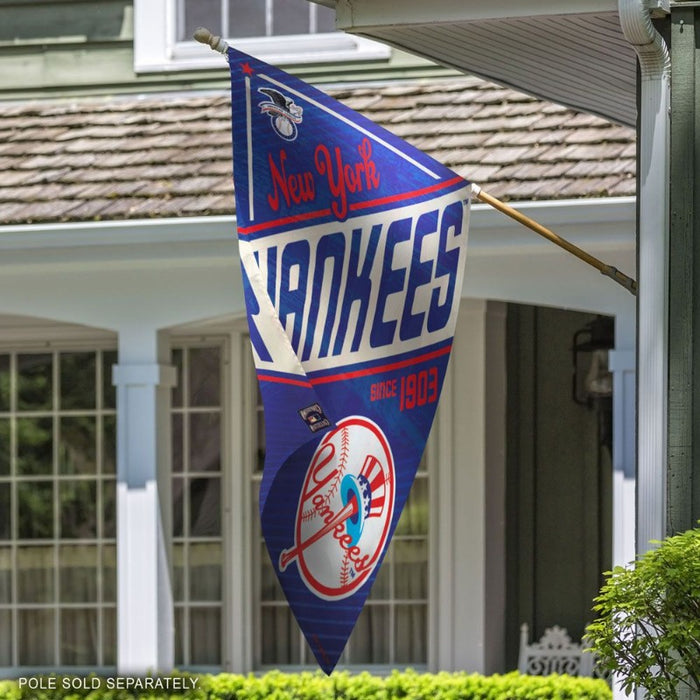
[558, 475]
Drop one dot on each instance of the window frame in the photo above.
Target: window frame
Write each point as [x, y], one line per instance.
[157, 50]
[190, 341]
[25, 343]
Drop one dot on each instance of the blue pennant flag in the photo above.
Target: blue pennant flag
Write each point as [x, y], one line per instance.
[352, 246]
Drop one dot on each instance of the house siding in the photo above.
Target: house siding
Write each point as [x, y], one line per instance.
[56, 48]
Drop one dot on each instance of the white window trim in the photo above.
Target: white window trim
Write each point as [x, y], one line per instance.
[156, 50]
[19, 339]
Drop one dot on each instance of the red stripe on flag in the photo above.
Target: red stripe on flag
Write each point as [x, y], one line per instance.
[383, 368]
[357, 373]
[246, 230]
[405, 195]
[284, 380]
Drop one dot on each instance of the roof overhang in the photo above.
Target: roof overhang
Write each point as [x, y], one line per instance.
[571, 51]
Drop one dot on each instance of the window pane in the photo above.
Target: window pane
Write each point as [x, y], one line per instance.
[179, 572]
[411, 569]
[35, 567]
[35, 509]
[5, 512]
[34, 382]
[205, 508]
[109, 391]
[5, 575]
[76, 451]
[177, 358]
[411, 634]
[290, 17]
[280, 636]
[381, 588]
[205, 571]
[205, 442]
[369, 642]
[109, 573]
[414, 519]
[178, 508]
[4, 446]
[4, 382]
[34, 446]
[200, 13]
[109, 637]
[179, 637]
[78, 509]
[270, 588]
[205, 636]
[177, 438]
[246, 18]
[77, 573]
[36, 635]
[325, 19]
[109, 509]
[205, 376]
[5, 638]
[77, 380]
[78, 637]
[109, 445]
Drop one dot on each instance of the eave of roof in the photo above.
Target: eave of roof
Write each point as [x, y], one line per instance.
[164, 156]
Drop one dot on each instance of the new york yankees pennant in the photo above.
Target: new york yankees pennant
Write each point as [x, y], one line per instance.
[352, 248]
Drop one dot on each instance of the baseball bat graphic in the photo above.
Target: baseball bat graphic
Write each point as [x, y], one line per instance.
[287, 556]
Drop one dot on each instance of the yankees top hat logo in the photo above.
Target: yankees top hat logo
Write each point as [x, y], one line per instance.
[345, 510]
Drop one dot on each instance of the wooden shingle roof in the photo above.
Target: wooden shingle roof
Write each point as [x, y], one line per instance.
[163, 156]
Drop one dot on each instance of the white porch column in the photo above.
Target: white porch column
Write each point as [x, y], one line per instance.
[467, 486]
[622, 364]
[145, 638]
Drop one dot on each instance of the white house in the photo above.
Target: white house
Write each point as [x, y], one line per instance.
[130, 426]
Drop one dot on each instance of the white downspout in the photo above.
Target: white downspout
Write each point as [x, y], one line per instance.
[653, 217]
[652, 297]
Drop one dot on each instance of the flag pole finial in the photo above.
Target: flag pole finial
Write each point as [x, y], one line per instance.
[204, 36]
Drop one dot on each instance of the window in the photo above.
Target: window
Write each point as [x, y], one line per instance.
[392, 629]
[57, 509]
[196, 488]
[240, 19]
[277, 31]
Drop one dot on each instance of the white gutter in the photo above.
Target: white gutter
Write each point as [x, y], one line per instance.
[183, 229]
[652, 309]
[588, 216]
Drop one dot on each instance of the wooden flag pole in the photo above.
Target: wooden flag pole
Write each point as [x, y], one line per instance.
[204, 36]
[608, 270]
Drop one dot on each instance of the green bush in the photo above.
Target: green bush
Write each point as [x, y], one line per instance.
[648, 624]
[338, 686]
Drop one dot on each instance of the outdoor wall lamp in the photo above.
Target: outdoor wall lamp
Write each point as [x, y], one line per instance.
[592, 379]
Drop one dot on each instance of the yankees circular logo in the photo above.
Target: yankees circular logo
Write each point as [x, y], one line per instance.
[344, 511]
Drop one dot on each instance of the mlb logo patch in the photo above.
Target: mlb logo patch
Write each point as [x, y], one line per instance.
[314, 417]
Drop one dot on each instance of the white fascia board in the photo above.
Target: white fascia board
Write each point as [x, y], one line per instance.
[209, 231]
[171, 242]
[357, 14]
[596, 224]
[123, 232]
[206, 230]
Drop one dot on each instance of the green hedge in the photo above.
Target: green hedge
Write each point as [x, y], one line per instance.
[315, 686]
